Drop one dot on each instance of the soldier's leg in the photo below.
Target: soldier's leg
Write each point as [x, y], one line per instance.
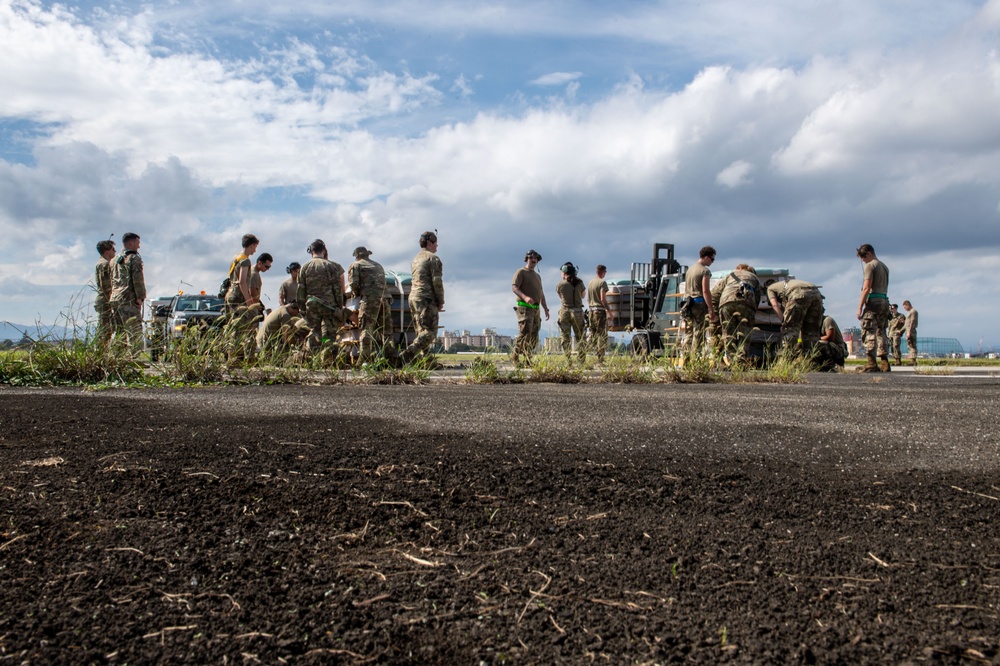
[565, 321]
[599, 333]
[791, 325]
[581, 343]
[812, 324]
[869, 334]
[911, 348]
[366, 330]
[425, 321]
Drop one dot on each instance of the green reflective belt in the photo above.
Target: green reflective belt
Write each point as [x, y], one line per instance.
[874, 295]
[522, 304]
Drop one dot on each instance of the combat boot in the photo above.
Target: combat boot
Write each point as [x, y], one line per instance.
[872, 365]
[883, 364]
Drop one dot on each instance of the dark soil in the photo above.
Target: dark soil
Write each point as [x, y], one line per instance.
[847, 520]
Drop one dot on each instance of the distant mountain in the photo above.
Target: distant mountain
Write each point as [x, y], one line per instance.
[15, 332]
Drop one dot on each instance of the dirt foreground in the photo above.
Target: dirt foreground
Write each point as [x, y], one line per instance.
[846, 520]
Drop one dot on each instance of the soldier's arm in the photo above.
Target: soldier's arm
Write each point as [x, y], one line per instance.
[300, 291]
[438, 281]
[604, 296]
[244, 282]
[706, 289]
[138, 282]
[866, 288]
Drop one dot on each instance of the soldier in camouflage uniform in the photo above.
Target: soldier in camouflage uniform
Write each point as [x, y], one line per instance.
[597, 300]
[736, 298]
[102, 280]
[873, 310]
[320, 296]
[527, 286]
[367, 281]
[699, 315]
[426, 296]
[286, 294]
[274, 332]
[128, 291]
[910, 328]
[571, 293]
[243, 307]
[800, 306]
[894, 330]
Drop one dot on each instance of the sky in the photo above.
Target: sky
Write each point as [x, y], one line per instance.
[785, 133]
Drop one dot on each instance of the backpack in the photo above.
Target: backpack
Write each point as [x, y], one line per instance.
[228, 282]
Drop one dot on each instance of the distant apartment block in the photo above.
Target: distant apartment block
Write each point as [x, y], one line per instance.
[489, 339]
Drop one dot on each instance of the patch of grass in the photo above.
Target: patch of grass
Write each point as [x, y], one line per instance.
[555, 370]
[934, 370]
[382, 373]
[627, 370]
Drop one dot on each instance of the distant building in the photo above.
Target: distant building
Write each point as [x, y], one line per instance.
[489, 339]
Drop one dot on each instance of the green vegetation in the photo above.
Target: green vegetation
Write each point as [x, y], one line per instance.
[209, 356]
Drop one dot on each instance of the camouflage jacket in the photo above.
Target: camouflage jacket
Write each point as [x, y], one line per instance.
[427, 282]
[895, 325]
[323, 280]
[102, 279]
[367, 280]
[128, 285]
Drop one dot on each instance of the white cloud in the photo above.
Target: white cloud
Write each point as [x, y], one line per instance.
[556, 78]
[781, 163]
[735, 175]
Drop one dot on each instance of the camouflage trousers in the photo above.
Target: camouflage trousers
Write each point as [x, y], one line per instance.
[911, 346]
[737, 319]
[598, 335]
[571, 324]
[126, 324]
[375, 326]
[529, 323]
[696, 327]
[829, 355]
[242, 329]
[325, 322]
[425, 322]
[896, 346]
[104, 325]
[803, 319]
[874, 321]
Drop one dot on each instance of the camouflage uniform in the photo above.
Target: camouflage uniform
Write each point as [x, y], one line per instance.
[802, 304]
[287, 292]
[426, 300]
[598, 318]
[910, 327]
[696, 316]
[273, 333]
[737, 297]
[128, 291]
[875, 317]
[243, 319]
[831, 352]
[320, 297]
[894, 330]
[529, 317]
[571, 317]
[367, 281]
[102, 278]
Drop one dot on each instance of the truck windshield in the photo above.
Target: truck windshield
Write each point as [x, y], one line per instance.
[199, 304]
